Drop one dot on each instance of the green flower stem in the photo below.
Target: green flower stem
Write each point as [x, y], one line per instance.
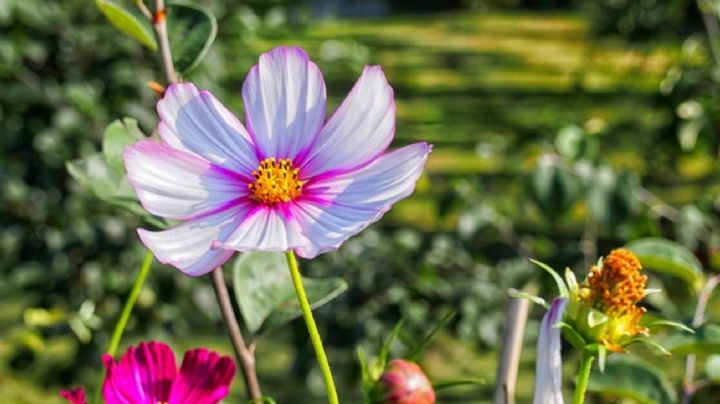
[125, 314]
[312, 328]
[582, 377]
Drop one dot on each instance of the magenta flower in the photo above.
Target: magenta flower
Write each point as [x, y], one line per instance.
[147, 374]
[403, 382]
[74, 396]
[287, 180]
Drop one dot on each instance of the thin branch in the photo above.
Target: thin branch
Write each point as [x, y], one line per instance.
[689, 387]
[160, 27]
[712, 28]
[143, 8]
[244, 353]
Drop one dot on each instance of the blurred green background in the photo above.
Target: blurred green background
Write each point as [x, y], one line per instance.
[562, 129]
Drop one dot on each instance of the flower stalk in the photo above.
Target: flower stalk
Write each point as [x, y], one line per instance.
[125, 314]
[244, 353]
[583, 376]
[160, 28]
[312, 328]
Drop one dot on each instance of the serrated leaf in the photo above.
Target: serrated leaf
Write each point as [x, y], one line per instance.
[706, 340]
[126, 23]
[668, 257]
[119, 134]
[95, 175]
[266, 295]
[562, 288]
[632, 378]
[191, 30]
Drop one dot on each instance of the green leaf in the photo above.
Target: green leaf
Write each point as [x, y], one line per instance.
[562, 288]
[266, 295]
[712, 368]
[553, 189]
[632, 378]
[95, 175]
[706, 340]
[446, 384]
[432, 334]
[119, 134]
[668, 257]
[126, 23]
[670, 324]
[571, 142]
[650, 343]
[191, 30]
[381, 361]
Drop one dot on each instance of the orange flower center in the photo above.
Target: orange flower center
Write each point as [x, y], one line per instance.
[618, 285]
[615, 289]
[275, 182]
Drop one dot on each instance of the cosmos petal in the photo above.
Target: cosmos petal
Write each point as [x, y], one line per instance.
[143, 375]
[188, 245]
[548, 366]
[284, 96]
[204, 378]
[196, 122]
[74, 396]
[336, 208]
[360, 130]
[174, 184]
[266, 228]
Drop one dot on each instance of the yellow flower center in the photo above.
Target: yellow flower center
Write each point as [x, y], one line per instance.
[275, 182]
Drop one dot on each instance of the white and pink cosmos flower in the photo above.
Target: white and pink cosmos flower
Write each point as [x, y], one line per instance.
[286, 180]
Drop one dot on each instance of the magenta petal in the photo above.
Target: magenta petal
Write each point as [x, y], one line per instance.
[336, 208]
[204, 378]
[144, 375]
[75, 396]
[284, 97]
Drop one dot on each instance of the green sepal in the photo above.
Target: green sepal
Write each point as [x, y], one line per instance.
[562, 288]
[571, 335]
[670, 324]
[527, 296]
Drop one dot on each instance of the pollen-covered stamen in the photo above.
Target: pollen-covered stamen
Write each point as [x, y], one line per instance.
[275, 182]
[618, 285]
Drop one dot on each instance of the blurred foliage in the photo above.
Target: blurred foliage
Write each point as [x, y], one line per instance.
[550, 142]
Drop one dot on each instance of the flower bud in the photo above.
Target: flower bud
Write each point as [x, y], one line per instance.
[404, 382]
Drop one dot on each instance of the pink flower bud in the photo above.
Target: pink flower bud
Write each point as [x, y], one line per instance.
[405, 383]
